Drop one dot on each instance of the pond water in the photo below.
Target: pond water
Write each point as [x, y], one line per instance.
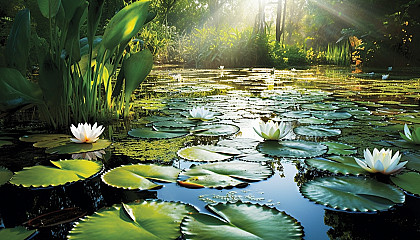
[324, 105]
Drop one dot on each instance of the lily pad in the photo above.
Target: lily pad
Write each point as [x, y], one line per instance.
[404, 144]
[43, 137]
[5, 175]
[319, 106]
[296, 149]
[71, 147]
[149, 133]
[317, 131]
[339, 148]
[207, 153]
[296, 114]
[336, 164]
[408, 181]
[143, 220]
[314, 121]
[214, 130]
[224, 174]
[332, 115]
[138, 176]
[352, 193]
[413, 161]
[17, 233]
[237, 221]
[64, 171]
[5, 142]
[239, 143]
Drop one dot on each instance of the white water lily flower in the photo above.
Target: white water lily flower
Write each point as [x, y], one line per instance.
[381, 161]
[201, 113]
[273, 131]
[85, 133]
[413, 137]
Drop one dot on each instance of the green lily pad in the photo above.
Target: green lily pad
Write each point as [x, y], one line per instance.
[5, 142]
[404, 144]
[339, 148]
[138, 176]
[352, 193]
[149, 133]
[317, 131]
[215, 130]
[313, 120]
[239, 143]
[17, 233]
[336, 164]
[71, 147]
[296, 149]
[43, 137]
[237, 221]
[224, 174]
[319, 106]
[143, 220]
[408, 181]
[332, 115]
[5, 175]
[207, 153]
[413, 161]
[296, 114]
[64, 171]
[176, 123]
[368, 117]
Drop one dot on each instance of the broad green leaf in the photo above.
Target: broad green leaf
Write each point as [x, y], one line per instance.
[17, 233]
[408, 181]
[293, 149]
[138, 176]
[143, 220]
[319, 106]
[207, 153]
[337, 164]
[339, 148]
[314, 121]
[224, 174]
[352, 193]
[125, 24]
[94, 16]
[404, 144]
[332, 115]
[18, 42]
[71, 147]
[43, 137]
[64, 171]
[5, 175]
[149, 133]
[51, 81]
[5, 142]
[317, 131]
[49, 8]
[238, 221]
[214, 130]
[239, 143]
[413, 161]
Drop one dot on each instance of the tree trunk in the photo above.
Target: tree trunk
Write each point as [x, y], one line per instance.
[284, 19]
[278, 20]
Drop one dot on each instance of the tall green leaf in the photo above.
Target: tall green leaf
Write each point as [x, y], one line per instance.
[18, 42]
[51, 81]
[49, 8]
[94, 15]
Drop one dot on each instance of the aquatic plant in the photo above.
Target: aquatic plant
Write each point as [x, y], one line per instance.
[200, 113]
[412, 137]
[381, 161]
[85, 133]
[273, 131]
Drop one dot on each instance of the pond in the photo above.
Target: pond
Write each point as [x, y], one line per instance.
[310, 177]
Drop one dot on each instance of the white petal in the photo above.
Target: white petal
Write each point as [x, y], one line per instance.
[407, 132]
[379, 167]
[76, 140]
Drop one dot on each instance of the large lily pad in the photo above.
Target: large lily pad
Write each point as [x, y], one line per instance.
[224, 174]
[317, 131]
[239, 143]
[413, 161]
[64, 171]
[17, 233]
[207, 153]
[5, 175]
[319, 106]
[214, 130]
[149, 133]
[336, 164]
[237, 221]
[313, 120]
[296, 149]
[408, 181]
[138, 176]
[143, 220]
[71, 147]
[43, 137]
[5, 142]
[352, 193]
[339, 148]
[332, 115]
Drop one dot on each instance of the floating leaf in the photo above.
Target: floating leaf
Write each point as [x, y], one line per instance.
[336, 164]
[64, 171]
[404, 144]
[17, 233]
[71, 147]
[314, 121]
[143, 220]
[214, 130]
[296, 114]
[239, 143]
[5, 142]
[207, 153]
[319, 106]
[352, 193]
[149, 133]
[43, 137]
[297, 149]
[339, 148]
[138, 176]
[5, 175]
[224, 174]
[241, 221]
[408, 181]
[317, 131]
[413, 161]
[332, 115]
